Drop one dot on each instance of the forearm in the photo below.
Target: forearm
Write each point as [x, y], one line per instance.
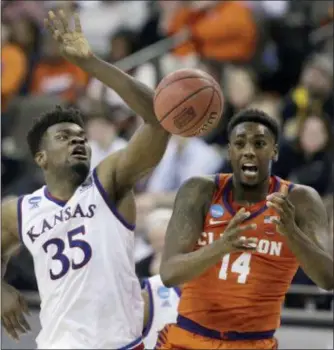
[135, 94]
[185, 267]
[164, 199]
[316, 263]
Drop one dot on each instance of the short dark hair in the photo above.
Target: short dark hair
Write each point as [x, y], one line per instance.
[255, 116]
[42, 123]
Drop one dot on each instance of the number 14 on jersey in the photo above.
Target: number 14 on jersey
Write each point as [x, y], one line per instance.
[240, 266]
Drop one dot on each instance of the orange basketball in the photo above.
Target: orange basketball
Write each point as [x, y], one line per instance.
[188, 102]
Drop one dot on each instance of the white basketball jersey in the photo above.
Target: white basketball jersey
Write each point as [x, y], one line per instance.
[163, 309]
[83, 255]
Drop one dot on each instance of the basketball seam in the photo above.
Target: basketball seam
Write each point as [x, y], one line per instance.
[200, 119]
[220, 100]
[221, 105]
[179, 79]
[184, 100]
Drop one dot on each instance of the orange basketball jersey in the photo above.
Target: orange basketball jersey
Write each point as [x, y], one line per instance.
[244, 292]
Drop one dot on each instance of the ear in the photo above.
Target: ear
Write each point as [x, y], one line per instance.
[275, 153]
[41, 159]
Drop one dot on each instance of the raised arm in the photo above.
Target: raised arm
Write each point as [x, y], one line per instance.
[13, 305]
[179, 263]
[147, 146]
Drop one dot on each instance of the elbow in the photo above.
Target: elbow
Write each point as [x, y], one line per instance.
[327, 284]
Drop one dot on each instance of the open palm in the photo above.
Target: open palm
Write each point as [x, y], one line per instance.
[72, 43]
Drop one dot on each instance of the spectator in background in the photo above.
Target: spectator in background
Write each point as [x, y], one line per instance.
[15, 10]
[184, 158]
[55, 76]
[222, 31]
[102, 136]
[307, 160]
[103, 18]
[13, 67]
[26, 32]
[156, 226]
[313, 95]
[240, 91]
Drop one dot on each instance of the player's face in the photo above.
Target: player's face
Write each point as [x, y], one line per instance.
[252, 149]
[65, 147]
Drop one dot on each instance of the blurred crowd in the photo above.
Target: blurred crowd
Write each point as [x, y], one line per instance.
[273, 55]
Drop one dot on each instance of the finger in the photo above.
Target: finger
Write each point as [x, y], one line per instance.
[245, 228]
[239, 217]
[57, 36]
[245, 245]
[276, 195]
[55, 22]
[277, 199]
[9, 327]
[48, 25]
[77, 24]
[24, 305]
[64, 21]
[52, 20]
[276, 207]
[276, 221]
[247, 242]
[23, 322]
[284, 189]
[14, 318]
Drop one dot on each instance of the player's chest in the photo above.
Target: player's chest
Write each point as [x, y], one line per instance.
[270, 243]
[54, 221]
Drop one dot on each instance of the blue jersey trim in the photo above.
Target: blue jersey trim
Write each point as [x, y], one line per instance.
[19, 217]
[151, 308]
[109, 202]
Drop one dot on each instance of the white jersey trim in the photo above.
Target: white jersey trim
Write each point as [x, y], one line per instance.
[110, 203]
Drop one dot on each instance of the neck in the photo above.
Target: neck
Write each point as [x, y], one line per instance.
[247, 195]
[59, 187]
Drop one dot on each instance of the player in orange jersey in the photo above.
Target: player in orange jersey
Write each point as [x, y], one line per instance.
[235, 242]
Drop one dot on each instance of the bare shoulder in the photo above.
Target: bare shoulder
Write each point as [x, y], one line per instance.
[190, 207]
[9, 214]
[196, 191]
[302, 196]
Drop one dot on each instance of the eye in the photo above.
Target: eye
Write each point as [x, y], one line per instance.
[239, 144]
[260, 144]
[61, 137]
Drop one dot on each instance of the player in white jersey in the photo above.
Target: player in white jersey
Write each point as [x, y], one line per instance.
[79, 227]
[161, 305]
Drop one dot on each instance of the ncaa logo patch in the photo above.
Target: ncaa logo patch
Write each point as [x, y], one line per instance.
[216, 211]
[163, 292]
[34, 201]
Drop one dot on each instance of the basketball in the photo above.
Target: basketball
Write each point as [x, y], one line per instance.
[188, 102]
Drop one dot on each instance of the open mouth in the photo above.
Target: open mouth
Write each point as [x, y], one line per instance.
[79, 152]
[249, 170]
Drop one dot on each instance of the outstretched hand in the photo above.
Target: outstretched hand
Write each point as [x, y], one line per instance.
[285, 209]
[72, 43]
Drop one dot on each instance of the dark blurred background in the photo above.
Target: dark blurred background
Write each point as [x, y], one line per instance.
[273, 55]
